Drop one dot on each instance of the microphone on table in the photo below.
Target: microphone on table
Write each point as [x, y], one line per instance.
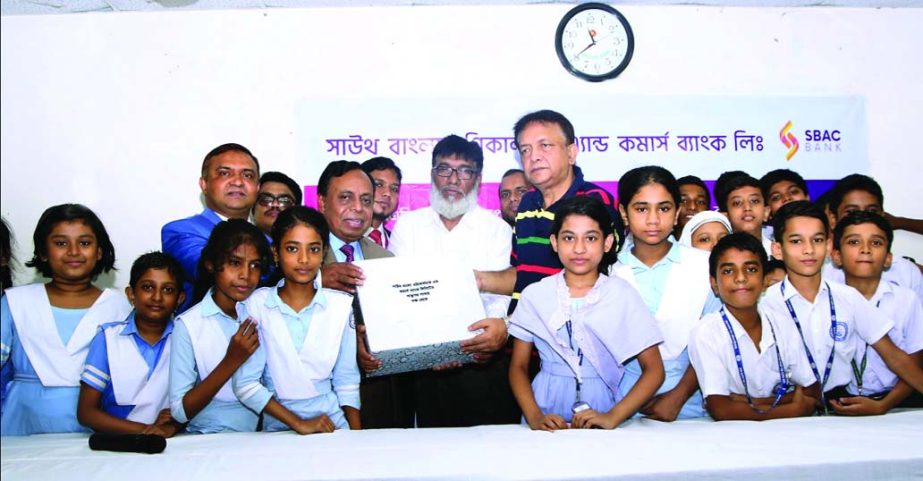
[128, 443]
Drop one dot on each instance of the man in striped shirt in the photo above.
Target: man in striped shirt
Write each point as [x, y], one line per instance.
[548, 149]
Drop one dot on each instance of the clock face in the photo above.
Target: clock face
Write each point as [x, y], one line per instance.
[594, 42]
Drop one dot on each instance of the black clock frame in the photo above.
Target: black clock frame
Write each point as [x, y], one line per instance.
[559, 42]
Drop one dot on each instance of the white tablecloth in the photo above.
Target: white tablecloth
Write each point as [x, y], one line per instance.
[819, 448]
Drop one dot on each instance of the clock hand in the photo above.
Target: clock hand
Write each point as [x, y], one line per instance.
[584, 49]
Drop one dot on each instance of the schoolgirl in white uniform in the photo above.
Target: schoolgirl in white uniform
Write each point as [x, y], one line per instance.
[213, 338]
[304, 376]
[673, 282]
[47, 328]
[586, 326]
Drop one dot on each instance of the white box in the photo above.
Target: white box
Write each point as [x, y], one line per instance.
[416, 310]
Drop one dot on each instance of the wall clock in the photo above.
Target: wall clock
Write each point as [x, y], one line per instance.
[594, 42]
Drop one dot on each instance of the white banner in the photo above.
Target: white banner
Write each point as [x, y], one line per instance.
[819, 137]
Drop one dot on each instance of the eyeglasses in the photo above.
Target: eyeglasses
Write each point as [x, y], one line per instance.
[284, 201]
[464, 173]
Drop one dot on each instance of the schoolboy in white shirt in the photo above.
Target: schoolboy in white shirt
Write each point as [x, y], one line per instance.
[829, 317]
[858, 192]
[747, 367]
[861, 248]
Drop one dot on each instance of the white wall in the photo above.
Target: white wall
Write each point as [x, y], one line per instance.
[116, 110]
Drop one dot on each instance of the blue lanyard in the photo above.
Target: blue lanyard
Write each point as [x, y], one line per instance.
[807, 350]
[570, 338]
[783, 381]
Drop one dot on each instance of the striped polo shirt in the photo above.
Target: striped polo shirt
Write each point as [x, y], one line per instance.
[532, 254]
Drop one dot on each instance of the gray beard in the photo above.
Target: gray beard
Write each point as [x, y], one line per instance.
[458, 208]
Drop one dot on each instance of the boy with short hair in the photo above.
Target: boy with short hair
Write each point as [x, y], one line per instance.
[124, 385]
[739, 196]
[831, 318]
[861, 192]
[694, 198]
[861, 247]
[747, 366]
[782, 186]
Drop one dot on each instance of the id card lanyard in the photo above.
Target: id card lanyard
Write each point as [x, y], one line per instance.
[783, 381]
[859, 370]
[579, 405]
[807, 350]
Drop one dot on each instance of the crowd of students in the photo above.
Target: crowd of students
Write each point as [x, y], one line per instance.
[797, 310]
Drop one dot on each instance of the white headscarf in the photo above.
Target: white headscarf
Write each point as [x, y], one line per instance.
[699, 220]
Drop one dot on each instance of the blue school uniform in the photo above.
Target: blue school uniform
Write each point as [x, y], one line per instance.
[97, 374]
[224, 413]
[682, 275]
[39, 399]
[323, 359]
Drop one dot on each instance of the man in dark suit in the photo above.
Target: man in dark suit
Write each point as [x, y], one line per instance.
[229, 183]
[387, 179]
[345, 194]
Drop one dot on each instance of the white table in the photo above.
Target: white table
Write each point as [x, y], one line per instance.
[820, 448]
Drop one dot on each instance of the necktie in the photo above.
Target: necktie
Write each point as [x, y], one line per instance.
[348, 250]
[375, 235]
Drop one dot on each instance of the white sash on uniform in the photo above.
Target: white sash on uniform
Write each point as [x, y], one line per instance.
[602, 338]
[295, 372]
[209, 345]
[684, 297]
[128, 373]
[57, 364]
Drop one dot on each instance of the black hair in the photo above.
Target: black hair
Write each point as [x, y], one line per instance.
[798, 208]
[633, 180]
[339, 168]
[741, 241]
[729, 182]
[862, 217]
[775, 176]
[6, 255]
[70, 213]
[594, 209]
[382, 163]
[281, 178]
[455, 146]
[854, 182]
[512, 172]
[720, 188]
[823, 201]
[229, 147]
[224, 239]
[545, 117]
[156, 260]
[693, 180]
[774, 264]
[300, 214]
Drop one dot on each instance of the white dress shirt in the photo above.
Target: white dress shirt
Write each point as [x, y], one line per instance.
[480, 241]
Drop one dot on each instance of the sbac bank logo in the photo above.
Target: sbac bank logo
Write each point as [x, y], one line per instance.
[789, 140]
[815, 140]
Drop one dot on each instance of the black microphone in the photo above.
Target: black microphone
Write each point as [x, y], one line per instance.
[128, 443]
